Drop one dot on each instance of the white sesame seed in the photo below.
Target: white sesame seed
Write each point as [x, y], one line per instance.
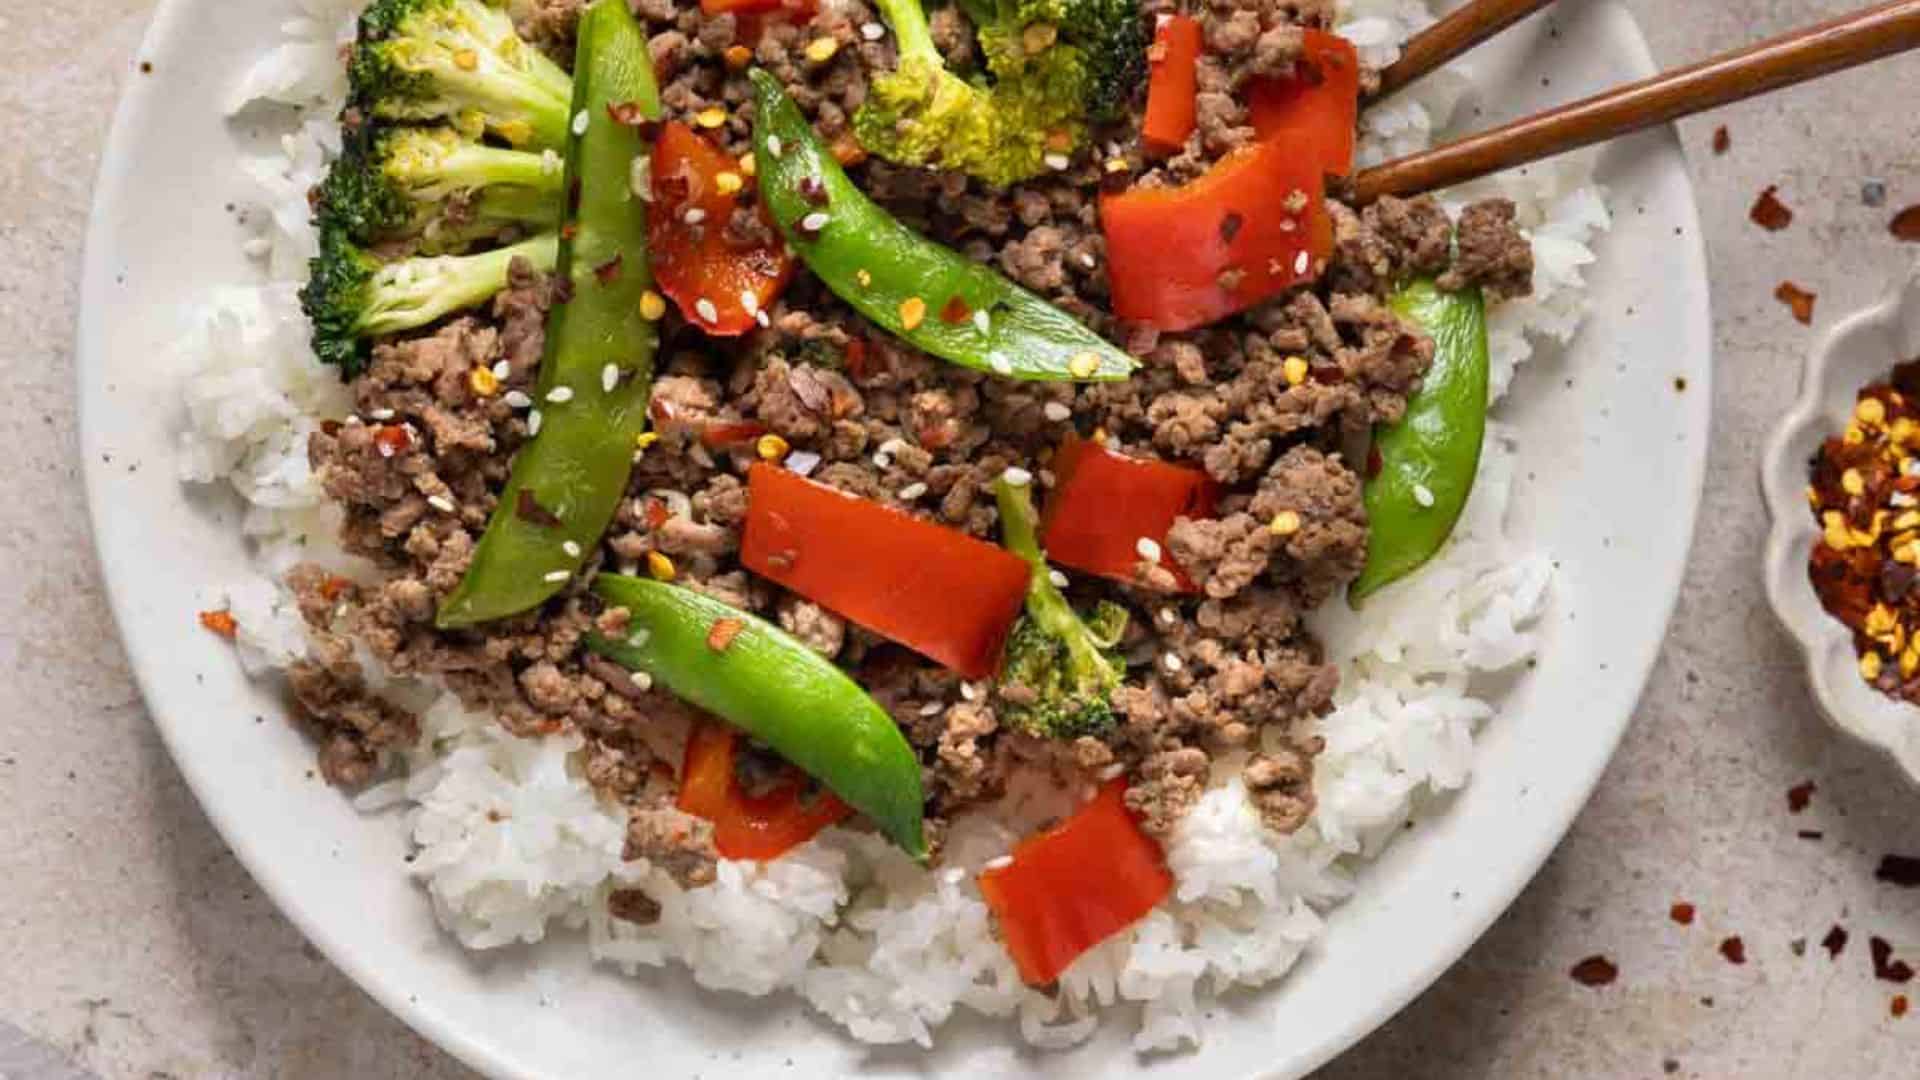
[1112, 771]
[516, 399]
[912, 491]
[1059, 579]
[999, 863]
[704, 308]
[609, 377]
[572, 549]
[1902, 500]
[999, 363]
[638, 639]
[931, 708]
[557, 575]
[1055, 411]
[642, 680]
[580, 120]
[894, 445]
[1172, 662]
[552, 163]
[503, 370]
[881, 461]
[872, 31]
[761, 318]
[954, 875]
[969, 692]
[981, 322]
[1169, 616]
[533, 422]
[773, 145]
[560, 395]
[1423, 495]
[694, 215]
[441, 503]
[814, 222]
[640, 177]
[1148, 548]
[1057, 162]
[1017, 476]
[803, 462]
[380, 414]
[1301, 262]
[1087, 260]
[749, 302]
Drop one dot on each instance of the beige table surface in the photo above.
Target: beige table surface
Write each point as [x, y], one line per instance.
[132, 943]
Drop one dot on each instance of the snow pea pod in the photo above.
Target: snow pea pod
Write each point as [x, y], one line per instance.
[928, 295]
[758, 678]
[596, 374]
[1427, 461]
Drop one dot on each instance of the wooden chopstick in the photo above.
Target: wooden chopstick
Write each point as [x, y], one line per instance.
[1845, 42]
[1459, 31]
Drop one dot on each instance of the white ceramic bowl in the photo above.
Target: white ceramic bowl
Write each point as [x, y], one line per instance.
[1860, 350]
[1606, 438]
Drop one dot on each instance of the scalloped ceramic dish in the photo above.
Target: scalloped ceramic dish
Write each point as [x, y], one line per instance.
[1861, 349]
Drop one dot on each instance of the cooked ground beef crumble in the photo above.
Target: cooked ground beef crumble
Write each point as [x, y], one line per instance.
[1230, 670]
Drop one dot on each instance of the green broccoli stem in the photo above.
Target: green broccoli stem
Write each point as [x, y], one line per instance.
[476, 165]
[411, 293]
[911, 33]
[1047, 606]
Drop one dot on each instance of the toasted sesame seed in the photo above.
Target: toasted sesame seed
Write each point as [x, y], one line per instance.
[694, 215]
[640, 177]
[803, 462]
[516, 399]
[1148, 548]
[609, 377]
[1087, 260]
[503, 370]
[998, 863]
[821, 49]
[1058, 579]
[1055, 411]
[560, 395]
[1056, 161]
[659, 566]
[580, 121]
[931, 708]
[771, 447]
[912, 491]
[881, 460]
[872, 31]
[773, 145]
[1172, 662]
[1169, 616]
[533, 422]
[653, 306]
[969, 692]
[441, 503]
[981, 322]
[557, 575]
[1084, 365]
[1423, 495]
[1284, 523]
[572, 549]
[749, 302]
[913, 311]
[704, 308]
[728, 183]
[761, 318]
[711, 118]
[1017, 476]
[642, 680]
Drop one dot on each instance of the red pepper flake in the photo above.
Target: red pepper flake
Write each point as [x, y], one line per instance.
[332, 588]
[1230, 226]
[1799, 795]
[1595, 970]
[856, 358]
[723, 633]
[1900, 870]
[1898, 1006]
[220, 622]
[1769, 212]
[955, 310]
[627, 113]
[1798, 300]
[1722, 142]
[392, 439]
[570, 230]
[1681, 913]
[1375, 462]
[812, 190]
[1734, 950]
[1885, 966]
[526, 507]
[656, 512]
[1835, 942]
[1906, 225]
[609, 272]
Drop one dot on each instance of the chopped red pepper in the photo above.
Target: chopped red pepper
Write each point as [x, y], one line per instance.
[935, 590]
[1103, 504]
[724, 435]
[1075, 885]
[747, 826]
[1253, 226]
[1172, 85]
[1316, 113]
[708, 274]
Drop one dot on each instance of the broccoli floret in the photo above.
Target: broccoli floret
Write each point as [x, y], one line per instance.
[1059, 672]
[1000, 131]
[1106, 40]
[460, 61]
[437, 187]
[353, 296]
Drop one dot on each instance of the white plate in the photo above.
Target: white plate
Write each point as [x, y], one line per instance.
[1612, 460]
[1860, 349]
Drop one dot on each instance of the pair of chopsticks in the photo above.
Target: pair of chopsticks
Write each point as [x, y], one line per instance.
[1864, 36]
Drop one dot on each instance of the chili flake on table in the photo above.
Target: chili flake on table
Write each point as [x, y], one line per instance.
[1865, 493]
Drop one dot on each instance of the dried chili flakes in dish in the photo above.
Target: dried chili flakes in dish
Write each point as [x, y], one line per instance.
[1865, 493]
[1769, 212]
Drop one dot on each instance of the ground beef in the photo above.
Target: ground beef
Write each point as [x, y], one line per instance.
[1493, 254]
[674, 841]
[353, 726]
[1281, 788]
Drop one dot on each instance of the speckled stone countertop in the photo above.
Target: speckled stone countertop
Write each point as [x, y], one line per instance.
[132, 944]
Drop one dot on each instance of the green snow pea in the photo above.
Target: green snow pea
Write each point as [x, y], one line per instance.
[928, 295]
[758, 678]
[596, 374]
[1428, 460]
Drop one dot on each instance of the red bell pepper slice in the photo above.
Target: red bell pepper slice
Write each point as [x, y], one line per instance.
[1104, 503]
[935, 590]
[1076, 885]
[1172, 82]
[693, 261]
[1317, 112]
[1254, 225]
[747, 826]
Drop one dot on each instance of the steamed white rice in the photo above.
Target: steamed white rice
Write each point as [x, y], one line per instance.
[512, 843]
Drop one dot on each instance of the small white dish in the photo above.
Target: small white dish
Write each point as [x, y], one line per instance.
[1863, 348]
